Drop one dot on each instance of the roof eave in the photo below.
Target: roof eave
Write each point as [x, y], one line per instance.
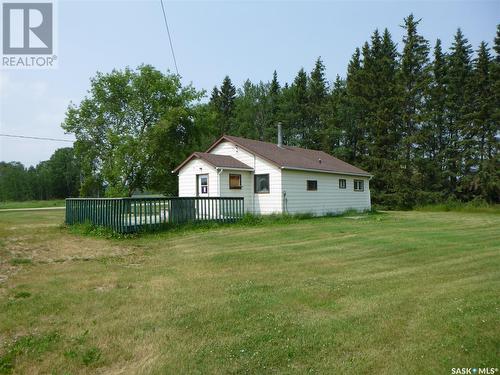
[236, 169]
[326, 171]
[224, 137]
[189, 158]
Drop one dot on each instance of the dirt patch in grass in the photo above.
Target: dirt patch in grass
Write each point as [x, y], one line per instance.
[24, 245]
[65, 248]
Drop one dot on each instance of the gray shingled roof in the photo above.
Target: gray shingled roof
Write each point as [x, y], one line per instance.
[288, 157]
[218, 161]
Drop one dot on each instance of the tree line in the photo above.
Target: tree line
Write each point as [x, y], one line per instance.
[423, 120]
[56, 178]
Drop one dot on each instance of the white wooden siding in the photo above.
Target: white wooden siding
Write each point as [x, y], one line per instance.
[246, 190]
[188, 181]
[328, 198]
[259, 203]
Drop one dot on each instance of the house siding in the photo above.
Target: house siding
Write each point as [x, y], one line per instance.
[188, 181]
[246, 190]
[258, 203]
[329, 198]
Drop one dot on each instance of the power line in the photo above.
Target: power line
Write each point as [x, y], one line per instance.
[169, 37]
[38, 138]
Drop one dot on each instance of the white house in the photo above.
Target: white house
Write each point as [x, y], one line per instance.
[274, 178]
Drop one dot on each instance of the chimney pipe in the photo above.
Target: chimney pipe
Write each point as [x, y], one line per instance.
[280, 136]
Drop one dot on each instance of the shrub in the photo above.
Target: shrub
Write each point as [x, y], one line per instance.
[476, 205]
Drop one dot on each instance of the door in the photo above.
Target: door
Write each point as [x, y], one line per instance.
[202, 185]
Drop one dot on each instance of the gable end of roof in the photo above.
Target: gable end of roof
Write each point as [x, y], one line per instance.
[216, 161]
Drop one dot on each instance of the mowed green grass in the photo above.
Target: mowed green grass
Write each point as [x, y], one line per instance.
[32, 204]
[401, 292]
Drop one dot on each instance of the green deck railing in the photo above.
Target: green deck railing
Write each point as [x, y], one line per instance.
[126, 215]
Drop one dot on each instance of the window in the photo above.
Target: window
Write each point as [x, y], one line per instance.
[359, 185]
[342, 183]
[235, 181]
[203, 184]
[312, 185]
[261, 183]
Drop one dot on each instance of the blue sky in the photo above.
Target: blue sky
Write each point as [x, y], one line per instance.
[211, 40]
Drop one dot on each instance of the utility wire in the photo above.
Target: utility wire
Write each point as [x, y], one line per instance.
[169, 37]
[38, 138]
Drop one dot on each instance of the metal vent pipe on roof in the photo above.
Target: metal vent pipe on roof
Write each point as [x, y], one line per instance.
[280, 135]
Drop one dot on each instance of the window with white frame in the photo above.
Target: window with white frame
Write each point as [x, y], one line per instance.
[359, 185]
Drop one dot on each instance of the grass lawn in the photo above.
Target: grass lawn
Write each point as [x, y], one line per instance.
[32, 204]
[394, 293]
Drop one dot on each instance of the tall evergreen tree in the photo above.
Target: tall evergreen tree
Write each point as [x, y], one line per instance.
[458, 77]
[317, 93]
[381, 97]
[252, 112]
[434, 134]
[295, 110]
[357, 106]
[345, 115]
[495, 77]
[493, 190]
[275, 102]
[413, 79]
[482, 178]
[335, 116]
[222, 101]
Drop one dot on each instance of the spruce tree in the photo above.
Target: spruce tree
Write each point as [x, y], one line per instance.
[479, 137]
[336, 117]
[495, 77]
[355, 111]
[295, 110]
[214, 99]
[434, 136]
[458, 77]
[274, 99]
[493, 189]
[252, 113]
[222, 103]
[317, 95]
[413, 81]
[381, 96]
[275, 85]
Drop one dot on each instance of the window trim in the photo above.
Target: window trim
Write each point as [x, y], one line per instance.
[345, 183]
[235, 187]
[362, 185]
[315, 183]
[198, 183]
[255, 183]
